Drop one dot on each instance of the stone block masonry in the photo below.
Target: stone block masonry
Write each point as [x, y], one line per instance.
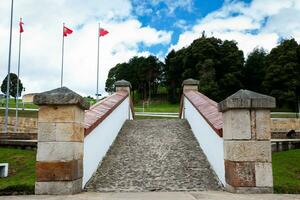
[59, 167]
[247, 147]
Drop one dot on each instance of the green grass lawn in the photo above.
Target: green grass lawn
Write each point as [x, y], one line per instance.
[157, 107]
[286, 171]
[21, 171]
[12, 104]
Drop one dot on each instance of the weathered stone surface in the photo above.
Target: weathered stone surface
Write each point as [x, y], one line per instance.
[66, 113]
[190, 81]
[262, 125]
[247, 151]
[59, 171]
[60, 131]
[236, 124]
[263, 174]
[247, 99]
[59, 151]
[154, 155]
[60, 96]
[240, 174]
[248, 190]
[122, 83]
[58, 187]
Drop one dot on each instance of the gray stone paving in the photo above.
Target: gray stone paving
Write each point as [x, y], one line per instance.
[154, 155]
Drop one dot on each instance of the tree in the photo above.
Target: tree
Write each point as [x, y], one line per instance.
[217, 64]
[282, 73]
[12, 86]
[254, 70]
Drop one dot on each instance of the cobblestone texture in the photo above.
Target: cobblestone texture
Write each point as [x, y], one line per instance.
[154, 155]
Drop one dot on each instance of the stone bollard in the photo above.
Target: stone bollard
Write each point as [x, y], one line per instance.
[190, 84]
[247, 146]
[122, 85]
[60, 142]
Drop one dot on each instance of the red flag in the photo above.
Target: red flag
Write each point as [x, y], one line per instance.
[21, 26]
[67, 31]
[102, 32]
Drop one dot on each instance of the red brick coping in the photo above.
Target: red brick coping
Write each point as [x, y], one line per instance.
[207, 108]
[98, 112]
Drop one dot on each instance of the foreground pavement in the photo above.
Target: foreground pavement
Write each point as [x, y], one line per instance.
[209, 195]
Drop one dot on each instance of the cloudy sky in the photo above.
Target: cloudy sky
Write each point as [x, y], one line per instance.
[137, 28]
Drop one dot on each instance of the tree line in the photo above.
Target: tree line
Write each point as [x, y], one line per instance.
[221, 68]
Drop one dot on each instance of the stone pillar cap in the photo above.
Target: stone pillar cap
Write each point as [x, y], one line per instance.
[190, 81]
[60, 96]
[122, 83]
[247, 99]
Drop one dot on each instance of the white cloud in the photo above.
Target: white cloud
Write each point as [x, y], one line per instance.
[41, 49]
[258, 24]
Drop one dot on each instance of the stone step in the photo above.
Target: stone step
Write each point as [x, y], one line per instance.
[154, 155]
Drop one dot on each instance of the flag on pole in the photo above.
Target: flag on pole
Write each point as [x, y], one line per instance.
[67, 31]
[102, 32]
[21, 26]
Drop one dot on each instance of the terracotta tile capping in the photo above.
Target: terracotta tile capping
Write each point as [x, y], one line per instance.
[93, 117]
[207, 108]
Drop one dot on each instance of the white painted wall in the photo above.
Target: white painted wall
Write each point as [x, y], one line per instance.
[210, 142]
[98, 142]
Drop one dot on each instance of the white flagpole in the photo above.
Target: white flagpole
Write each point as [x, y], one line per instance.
[62, 57]
[8, 68]
[18, 81]
[97, 92]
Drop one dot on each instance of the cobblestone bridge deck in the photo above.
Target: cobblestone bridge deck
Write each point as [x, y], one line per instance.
[154, 155]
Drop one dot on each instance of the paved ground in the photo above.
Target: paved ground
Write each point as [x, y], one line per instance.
[208, 195]
[154, 155]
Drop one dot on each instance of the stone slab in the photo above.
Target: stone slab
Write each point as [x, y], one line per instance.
[263, 123]
[60, 132]
[263, 174]
[249, 190]
[240, 174]
[59, 151]
[59, 187]
[247, 151]
[59, 171]
[236, 124]
[64, 113]
[60, 96]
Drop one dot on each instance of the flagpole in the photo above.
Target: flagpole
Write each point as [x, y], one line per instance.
[18, 81]
[97, 92]
[62, 57]
[8, 68]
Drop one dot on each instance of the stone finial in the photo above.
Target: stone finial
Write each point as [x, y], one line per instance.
[190, 84]
[122, 85]
[60, 96]
[247, 99]
[190, 81]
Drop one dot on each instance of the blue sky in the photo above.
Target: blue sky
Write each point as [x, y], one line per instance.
[137, 28]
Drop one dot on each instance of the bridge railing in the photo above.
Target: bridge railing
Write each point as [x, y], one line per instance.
[206, 123]
[103, 122]
[73, 138]
[234, 135]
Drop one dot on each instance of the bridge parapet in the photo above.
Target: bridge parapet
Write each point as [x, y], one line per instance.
[234, 135]
[73, 138]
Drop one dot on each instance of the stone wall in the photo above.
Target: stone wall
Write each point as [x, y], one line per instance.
[280, 127]
[25, 124]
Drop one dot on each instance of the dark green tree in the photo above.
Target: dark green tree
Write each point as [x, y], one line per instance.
[282, 73]
[217, 64]
[12, 86]
[254, 70]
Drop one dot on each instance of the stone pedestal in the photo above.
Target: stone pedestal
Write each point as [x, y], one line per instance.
[60, 142]
[190, 84]
[122, 85]
[247, 146]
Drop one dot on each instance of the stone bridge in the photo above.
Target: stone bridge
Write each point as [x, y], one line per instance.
[211, 146]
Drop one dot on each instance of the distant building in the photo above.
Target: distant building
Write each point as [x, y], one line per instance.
[28, 98]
